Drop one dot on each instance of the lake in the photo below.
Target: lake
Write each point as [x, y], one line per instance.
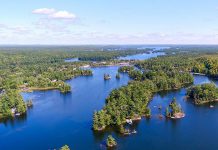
[142, 56]
[71, 60]
[58, 119]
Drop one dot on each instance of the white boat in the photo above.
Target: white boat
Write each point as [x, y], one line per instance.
[17, 114]
[134, 131]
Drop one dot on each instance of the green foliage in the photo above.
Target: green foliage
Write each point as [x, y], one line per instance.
[173, 109]
[65, 88]
[207, 65]
[65, 147]
[203, 93]
[11, 99]
[33, 70]
[124, 69]
[111, 141]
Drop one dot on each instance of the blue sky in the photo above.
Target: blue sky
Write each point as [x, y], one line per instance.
[109, 22]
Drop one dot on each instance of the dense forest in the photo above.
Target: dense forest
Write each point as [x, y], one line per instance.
[204, 93]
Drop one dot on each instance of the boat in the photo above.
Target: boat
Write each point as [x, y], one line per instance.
[211, 106]
[134, 132]
[17, 114]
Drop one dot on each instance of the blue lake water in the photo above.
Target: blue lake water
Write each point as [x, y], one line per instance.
[142, 56]
[71, 60]
[58, 119]
[155, 48]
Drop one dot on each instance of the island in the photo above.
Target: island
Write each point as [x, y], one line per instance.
[201, 94]
[174, 111]
[107, 77]
[111, 142]
[65, 147]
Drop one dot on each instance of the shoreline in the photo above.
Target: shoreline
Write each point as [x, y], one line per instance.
[31, 89]
[206, 102]
[178, 116]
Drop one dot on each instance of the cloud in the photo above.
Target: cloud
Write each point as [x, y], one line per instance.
[63, 15]
[44, 11]
[55, 14]
[14, 29]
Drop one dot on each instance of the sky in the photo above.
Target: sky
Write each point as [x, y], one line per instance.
[69, 22]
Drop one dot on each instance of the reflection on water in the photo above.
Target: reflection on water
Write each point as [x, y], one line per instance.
[13, 120]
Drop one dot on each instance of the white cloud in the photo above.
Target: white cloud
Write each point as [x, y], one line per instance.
[44, 11]
[63, 15]
[54, 14]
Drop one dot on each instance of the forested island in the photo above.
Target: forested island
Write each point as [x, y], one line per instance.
[204, 93]
[174, 110]
[111, 142]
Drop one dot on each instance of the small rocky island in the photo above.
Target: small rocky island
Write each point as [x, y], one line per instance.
[174, 111]
[107, 77]
[111, 142]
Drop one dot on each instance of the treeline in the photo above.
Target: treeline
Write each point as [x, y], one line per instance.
[11, 103]
[204, 93]
[207, 65]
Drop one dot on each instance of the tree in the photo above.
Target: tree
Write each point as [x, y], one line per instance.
[111, 141]
[95, 121]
